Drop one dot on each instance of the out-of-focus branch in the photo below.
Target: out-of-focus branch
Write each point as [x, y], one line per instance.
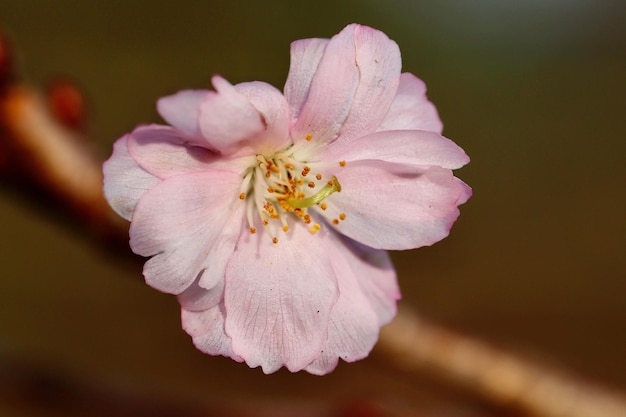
[416, 345]
[45, 156]
[40, 154]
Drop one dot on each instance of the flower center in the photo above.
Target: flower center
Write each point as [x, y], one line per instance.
[278, 186]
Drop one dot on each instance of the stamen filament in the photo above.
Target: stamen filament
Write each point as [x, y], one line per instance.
[332, 186]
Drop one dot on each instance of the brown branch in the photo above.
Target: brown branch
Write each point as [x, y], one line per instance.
[52, 165]
[416, 345]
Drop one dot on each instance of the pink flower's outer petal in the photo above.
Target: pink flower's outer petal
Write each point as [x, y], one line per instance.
[377, 278]
[379, 63]
[227, 118]
[182, 110]
[355, 319]
[396, 206]
[207, 331]
[162, 151]
[188, 224]
[196, 298]
[305, 57]
[278, 298]
[415, 147]
[466, 192]
[361, 67]
[411, 109]
[124, 180]
[272, 106]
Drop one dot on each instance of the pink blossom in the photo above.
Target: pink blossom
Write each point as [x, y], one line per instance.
[268, 214]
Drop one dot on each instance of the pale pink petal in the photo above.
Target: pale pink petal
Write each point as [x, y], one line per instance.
[278, 298]
[377, 278]
[196, 298]
[188, 224]
[207, 331]
[354, 323]
[227, 118]
[415, 147]
[124, 180]
[305, 57]
[162, 151]
[379, 64]
[274, 111]
[361, 67]
[182, 110]
[396, 206]
[411, 109]
[332, 91]
[466, 192]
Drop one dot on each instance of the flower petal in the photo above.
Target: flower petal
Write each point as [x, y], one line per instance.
[196, 298]
[361, 66]
[377, 278]
[182, 110]
[227, 117]
[396, 206]
[411, 109]
[278, 298]
[306, 55]
[415, 147]
[125, 181]
[207, 331]
[188, 224]
[165, 152]
[354, 322]
[274, 111]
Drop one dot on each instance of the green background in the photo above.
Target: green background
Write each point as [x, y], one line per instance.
[534, 91]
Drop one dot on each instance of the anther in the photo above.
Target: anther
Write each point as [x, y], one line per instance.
[319, 177]
[342, 163]
[311, 184]
[252, 230]
[275, 240]
[242, 196]
[285, 228]
[305, 171]
[308, 137]
[335, 222]
[342, 216]
[315, 228]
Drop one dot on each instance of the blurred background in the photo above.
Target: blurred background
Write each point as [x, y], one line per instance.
[534, 91]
